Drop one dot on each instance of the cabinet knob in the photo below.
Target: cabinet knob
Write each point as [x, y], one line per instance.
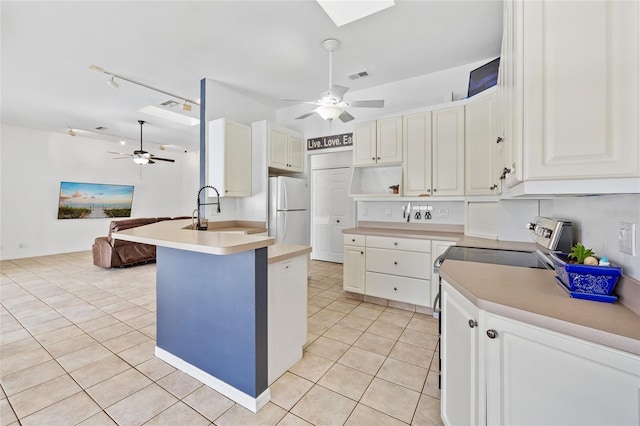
[434, 190]
[473, 323]
[361, 252]
[353, 240]
[492, 334]
[499, 139]
[395, 263]
[378, 158]
[338, 221]
[226, 190]
[492, 187]
[395, 243]
[428, 190]
[395, 289]
[373, 158]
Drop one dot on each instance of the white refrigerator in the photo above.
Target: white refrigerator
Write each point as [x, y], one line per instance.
[289, 210]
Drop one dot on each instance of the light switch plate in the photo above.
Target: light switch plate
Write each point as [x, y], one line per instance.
[627, 238]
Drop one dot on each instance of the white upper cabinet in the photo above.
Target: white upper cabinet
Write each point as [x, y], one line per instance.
[416, 150]
[286, 149]
[229, 158]
[378, 142]
[448, 150]
[482, 156]
[570, 89]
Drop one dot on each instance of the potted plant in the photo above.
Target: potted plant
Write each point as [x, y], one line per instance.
[395, 188]
[580, 271]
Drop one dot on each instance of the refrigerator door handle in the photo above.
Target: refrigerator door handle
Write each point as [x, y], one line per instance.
[283, 193]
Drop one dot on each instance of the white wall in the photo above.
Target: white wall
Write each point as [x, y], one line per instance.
[595, 221]
[399, 97]
[33, 163]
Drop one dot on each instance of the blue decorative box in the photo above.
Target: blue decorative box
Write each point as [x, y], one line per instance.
[585, 278]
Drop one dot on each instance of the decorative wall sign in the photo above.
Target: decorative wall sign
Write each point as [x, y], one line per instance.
[94, 200]
[326, 142]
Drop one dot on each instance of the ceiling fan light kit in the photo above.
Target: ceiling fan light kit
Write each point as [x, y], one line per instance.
[140, 156]
[331, 104]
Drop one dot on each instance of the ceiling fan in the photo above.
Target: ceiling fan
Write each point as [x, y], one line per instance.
[141, 156]
[331, 104]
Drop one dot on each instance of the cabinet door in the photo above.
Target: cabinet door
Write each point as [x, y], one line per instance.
[481, 149]
[539, 377]
[237, 160]
[278, 148]
[416, 154]
[582, 115]
[295, 150]
[389, 140]
[364, 143]
[353, 269]
[448, 151]
[459, 353]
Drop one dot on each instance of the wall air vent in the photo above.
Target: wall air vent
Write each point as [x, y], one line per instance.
[169, 103]
[357, 75]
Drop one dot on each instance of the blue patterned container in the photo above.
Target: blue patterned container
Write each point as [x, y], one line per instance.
[585, 278]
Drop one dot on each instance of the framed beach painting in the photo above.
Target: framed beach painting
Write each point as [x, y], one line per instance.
[94, 200]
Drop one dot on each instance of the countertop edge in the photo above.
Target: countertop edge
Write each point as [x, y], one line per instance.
[280, 252]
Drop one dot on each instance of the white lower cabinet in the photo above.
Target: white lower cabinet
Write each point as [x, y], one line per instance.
[396, 269]
[353, 268]
[287, 314]
[506, 372]
[539, 377]
[460, 359]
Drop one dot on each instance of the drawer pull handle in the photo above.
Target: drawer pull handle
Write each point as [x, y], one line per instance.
[361, 252]
[492, 334]
[395, 243]
[395, 263]
[353, 240]
[473, 323]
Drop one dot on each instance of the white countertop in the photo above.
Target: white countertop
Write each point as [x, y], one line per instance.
[171, 233]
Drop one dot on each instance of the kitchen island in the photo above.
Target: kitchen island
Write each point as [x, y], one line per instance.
[212, 315]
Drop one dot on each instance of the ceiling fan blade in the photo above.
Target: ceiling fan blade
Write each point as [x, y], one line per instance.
[305, 115]
[151, 162]
[367, 104]
[345, 117]
[338, 91]
[171, 160]
[119, 153]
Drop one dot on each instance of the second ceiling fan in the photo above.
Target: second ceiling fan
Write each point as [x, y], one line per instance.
[141, 156]
[331, 104]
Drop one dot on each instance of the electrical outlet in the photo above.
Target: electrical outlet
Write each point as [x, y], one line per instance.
[388, 211]
[627, 238]
[443, 213]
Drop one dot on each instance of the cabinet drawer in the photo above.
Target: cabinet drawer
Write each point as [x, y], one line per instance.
[354, 240]
[397, 262]
[402, 289]
[399, 243]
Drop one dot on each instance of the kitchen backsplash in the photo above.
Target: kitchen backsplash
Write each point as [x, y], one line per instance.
[595, 223]
[444, 212]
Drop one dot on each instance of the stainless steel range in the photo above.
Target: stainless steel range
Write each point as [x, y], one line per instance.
[548, 233]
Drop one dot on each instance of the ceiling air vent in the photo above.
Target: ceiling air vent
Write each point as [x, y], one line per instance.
[357, 75]
[102, 128]
[169, 104]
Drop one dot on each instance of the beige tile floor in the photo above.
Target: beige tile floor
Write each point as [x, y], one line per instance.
[77, 342]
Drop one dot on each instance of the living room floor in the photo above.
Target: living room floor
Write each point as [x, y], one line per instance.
[77, 347]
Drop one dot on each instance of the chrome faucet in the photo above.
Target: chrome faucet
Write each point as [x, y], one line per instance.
[199, 225]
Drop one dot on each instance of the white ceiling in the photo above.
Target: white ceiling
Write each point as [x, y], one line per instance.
[271, 49]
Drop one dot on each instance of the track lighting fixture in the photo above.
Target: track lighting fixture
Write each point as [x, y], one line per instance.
[115, 85]
[112, 83]
[71, 132]
[123, 142]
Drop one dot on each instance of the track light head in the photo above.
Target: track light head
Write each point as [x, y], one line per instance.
[71, 132]
[185, 106]
[113, 83]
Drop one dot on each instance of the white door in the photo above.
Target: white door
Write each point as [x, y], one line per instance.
[332, 209]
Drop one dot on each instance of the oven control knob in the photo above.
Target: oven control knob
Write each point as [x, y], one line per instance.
[530, 226]
[473, 323]
[547, 233]
[492, 334]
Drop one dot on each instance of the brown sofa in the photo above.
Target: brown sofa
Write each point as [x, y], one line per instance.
[111, 253]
